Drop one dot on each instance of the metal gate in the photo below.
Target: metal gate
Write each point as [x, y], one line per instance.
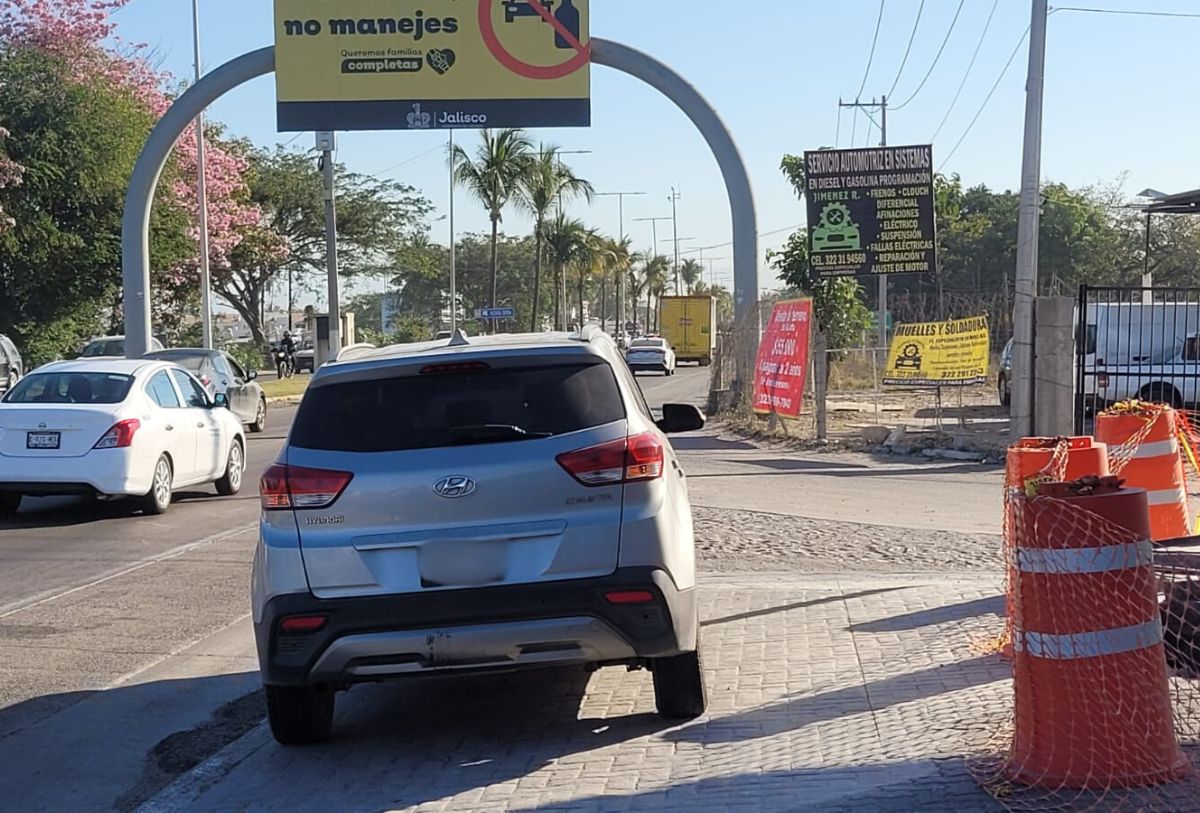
[1135, 343]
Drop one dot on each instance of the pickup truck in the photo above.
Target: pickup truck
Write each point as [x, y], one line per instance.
[1175, 381]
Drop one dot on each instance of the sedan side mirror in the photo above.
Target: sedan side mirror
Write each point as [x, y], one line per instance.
[221, 401]
[251, 375]
[681, 418]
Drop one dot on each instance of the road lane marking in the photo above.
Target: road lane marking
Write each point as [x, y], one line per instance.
[53, 595]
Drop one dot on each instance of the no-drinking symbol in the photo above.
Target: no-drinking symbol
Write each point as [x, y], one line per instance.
[567, 25]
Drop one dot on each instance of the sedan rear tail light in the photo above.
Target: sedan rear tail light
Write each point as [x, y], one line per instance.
[629, 460]
[285, 487]
[120, 436]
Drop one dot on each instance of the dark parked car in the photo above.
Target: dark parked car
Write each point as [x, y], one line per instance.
[221, 374]
[11, 366]
[1004, 382]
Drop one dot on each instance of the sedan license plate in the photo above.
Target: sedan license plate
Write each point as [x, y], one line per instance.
[43, 440]
[462, 563]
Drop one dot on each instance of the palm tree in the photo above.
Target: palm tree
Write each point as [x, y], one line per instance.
[547, 181]
[566, 241]
[494, 177]
[654, 280]
[618, 258]
[692, 273]
[589, 262]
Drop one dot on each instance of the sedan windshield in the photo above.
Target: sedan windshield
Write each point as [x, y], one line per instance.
[188, 361]
[70, 388]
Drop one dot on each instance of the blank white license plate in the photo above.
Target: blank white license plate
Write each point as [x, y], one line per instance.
[43, 440]
[463, 562]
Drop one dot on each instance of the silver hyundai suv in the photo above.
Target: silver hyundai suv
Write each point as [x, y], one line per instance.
[486, 504]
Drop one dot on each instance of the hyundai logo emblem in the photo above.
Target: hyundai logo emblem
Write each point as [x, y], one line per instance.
[454, 487]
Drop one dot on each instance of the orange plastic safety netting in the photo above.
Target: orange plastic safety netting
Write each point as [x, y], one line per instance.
[1106, 657]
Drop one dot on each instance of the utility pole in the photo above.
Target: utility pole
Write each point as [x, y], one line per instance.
[882, 279]
[1028, 229]
[453, 248]
[675, 196]
[620, 196]
[206, 316]
[327, 144]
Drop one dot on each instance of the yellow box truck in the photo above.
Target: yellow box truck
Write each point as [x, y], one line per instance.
[689, 323]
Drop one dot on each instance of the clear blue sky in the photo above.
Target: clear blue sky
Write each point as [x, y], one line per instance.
[775, 69]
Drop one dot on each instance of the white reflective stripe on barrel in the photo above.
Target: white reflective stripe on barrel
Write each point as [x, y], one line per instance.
[1089, 644]
[1085, 560]
[1159, 448]
[1167, 496]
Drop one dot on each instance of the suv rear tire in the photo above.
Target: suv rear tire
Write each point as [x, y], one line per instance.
[300, 715]
[679, 692]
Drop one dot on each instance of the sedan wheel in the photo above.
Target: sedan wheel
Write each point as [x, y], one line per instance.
[231, 482]
[158, 500]
[260, 417]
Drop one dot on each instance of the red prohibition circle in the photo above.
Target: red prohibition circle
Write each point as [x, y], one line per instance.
[518, 66]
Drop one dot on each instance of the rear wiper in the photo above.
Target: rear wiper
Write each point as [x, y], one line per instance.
[493, 433]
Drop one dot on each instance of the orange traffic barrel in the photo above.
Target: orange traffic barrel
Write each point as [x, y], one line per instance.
[1030, 457]
[1093, 705]
[1031, 460]
[1155, 465]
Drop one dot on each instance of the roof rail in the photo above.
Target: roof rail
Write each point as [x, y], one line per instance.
[589, 333]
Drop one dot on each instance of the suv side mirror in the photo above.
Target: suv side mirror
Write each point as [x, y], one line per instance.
[221, 401]
[681, 418]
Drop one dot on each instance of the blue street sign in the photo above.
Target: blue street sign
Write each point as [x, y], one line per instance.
[495, 313]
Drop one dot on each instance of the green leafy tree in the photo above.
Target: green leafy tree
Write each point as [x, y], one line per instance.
[546, 182]
[838, 302]
[655, 273]
[377, 219]
[494, 177]
[60, 262]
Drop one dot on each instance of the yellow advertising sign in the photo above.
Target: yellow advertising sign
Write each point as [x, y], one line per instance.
[432, 64]
[940, 354]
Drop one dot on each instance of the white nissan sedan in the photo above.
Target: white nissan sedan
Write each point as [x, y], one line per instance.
[116, 428]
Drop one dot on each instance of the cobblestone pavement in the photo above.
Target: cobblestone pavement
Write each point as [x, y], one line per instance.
[846, 693]
[737, 541]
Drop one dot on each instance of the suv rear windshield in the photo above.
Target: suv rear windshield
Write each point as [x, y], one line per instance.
[432, 411]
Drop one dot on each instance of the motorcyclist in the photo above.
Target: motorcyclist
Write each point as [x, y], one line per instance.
[287, 345]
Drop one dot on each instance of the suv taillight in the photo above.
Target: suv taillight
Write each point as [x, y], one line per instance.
[630, 460]
[284, 487]
[1102, 381]
[120, 436]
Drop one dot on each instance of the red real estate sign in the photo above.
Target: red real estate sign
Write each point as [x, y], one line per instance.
[782, 366]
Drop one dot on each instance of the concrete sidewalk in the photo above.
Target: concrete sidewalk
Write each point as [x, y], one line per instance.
[827, 693]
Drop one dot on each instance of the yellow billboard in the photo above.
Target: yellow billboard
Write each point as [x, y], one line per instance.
[953, 353]
[432, 64]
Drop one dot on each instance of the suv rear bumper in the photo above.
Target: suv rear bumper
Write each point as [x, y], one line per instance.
[507, 627]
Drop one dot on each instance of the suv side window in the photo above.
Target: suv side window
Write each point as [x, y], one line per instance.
[629, 381]
[223, 368]
[193, 394]
[238, 372]
[161, 392]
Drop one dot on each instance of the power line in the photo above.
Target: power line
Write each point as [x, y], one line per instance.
[874, 42]
[1129, 12]
[730, 243]
[908, 49]
[967, 75]
[837, 139]
[986, 99]
[412, 160]
[937, 58]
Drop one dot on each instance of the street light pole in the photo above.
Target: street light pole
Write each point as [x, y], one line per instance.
[620, 196]
[206, 322]
[1028, 228]
[675, 196]
[453, 256]
[327, 144]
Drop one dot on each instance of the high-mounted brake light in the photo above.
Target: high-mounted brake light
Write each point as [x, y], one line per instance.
[456, 368]
[284, 487]
[120, 436]
[630, 460]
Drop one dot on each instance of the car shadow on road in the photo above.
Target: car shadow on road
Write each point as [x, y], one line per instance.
[64, 512]
[797, 711]
[799, 605]
[707, 443]
[786, 468]
[991, 605]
